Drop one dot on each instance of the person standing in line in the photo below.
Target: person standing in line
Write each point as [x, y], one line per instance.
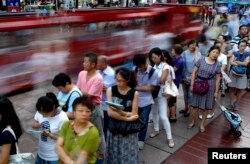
[108, 76]
[91, 84]
[78, 139]
[49, 118]
[160, 106]
[190, 56]
[8, 118]
[123, 148]
[177, 63]
[206, 68]
[146, 80]
[68, 92]
[239, 83]
[222, 59]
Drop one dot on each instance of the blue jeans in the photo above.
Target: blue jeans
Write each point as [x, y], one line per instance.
[39, 160]
[145, 112]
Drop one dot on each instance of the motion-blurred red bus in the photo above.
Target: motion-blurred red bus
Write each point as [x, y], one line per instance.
[35, 48]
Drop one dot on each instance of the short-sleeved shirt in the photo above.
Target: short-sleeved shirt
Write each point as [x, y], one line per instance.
[145, 98]
[206, 70]
[63, 97]
[47, 145]
[108, 76]
[73, 144]
[7, 138]
[178, 63]
[222, 59]
[93, 86]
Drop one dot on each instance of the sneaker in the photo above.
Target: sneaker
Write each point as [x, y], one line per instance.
[171, 143]
[200, 116]
[209, 116]
[141, 145]
[153, 134]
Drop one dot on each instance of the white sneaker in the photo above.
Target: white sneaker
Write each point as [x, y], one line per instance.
[141, 145]
[200, 116]
[209, 116]
[171, 143]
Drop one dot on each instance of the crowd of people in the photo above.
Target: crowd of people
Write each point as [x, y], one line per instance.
[76, 124]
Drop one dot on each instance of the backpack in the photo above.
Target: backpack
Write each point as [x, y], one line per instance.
[157, 88]
[65, 107]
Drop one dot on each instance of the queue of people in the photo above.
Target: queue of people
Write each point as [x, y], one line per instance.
[76, 124]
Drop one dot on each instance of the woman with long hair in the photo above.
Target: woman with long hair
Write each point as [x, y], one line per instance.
[160, 106]
[8, 118]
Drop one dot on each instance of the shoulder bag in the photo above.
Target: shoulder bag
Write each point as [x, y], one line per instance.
[126, 127]
[239, 70]
[20, 158]
[169, 88]
[201, 85]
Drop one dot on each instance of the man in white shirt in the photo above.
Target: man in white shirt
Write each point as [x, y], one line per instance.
[108, 75]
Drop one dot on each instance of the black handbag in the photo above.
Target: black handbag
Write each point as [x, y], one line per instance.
[126, 127]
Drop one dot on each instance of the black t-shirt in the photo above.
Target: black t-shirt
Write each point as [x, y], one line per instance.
[7, 138]
[125, 100]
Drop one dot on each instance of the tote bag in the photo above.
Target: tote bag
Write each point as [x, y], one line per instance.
[20, 158]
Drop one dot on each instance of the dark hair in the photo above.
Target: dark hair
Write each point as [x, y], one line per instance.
[202, 38]
[191, 42]
[216, 42]
[243, 26]
[213, 48]
[9, 116]
[156, 51]
[178, 49]
[139, 59]
[242, 41]
[92, 57]
[84, 101]
[61, 79]
[45, 104]
[127, 75]
[225, 37]
[168, 58]
[53, 97]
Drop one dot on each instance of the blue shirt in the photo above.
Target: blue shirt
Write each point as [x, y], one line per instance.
[145, 98]
[63, 97]
[108, 77]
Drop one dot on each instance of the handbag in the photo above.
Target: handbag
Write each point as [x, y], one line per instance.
[126, 127]
[170, 88]
[20, 158]
[200, 86]
[239, 70]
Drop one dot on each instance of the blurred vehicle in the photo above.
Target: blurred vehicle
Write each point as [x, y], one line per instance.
[35, 48]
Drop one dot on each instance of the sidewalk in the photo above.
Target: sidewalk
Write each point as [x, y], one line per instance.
[155, 149]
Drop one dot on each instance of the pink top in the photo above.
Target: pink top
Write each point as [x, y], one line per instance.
[93, 86]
